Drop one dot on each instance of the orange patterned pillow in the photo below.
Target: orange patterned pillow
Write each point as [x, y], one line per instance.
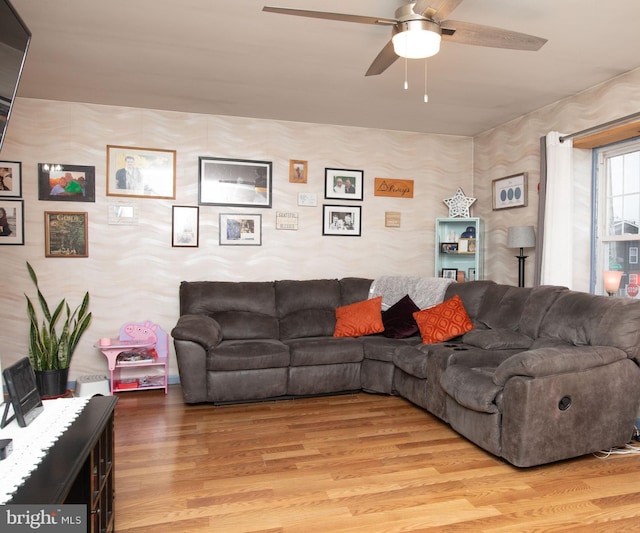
[360, 318]
[443, 321]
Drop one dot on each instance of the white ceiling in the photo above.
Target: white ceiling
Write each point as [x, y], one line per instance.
[228, 57]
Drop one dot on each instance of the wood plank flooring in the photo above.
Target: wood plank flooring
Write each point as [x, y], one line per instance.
[353, 463]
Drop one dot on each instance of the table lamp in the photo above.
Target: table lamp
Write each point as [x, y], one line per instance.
[521, 237]
[611, 279]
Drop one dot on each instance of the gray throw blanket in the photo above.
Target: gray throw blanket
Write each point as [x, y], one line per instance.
[425, 292]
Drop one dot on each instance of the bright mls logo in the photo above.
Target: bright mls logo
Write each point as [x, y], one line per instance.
[48, 518]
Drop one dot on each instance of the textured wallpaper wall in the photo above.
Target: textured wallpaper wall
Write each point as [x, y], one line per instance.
[515, 147]
[133, 272]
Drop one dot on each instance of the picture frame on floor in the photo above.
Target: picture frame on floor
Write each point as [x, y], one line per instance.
[66, 234]
[66, 183]
[141, 172]
[11, 221]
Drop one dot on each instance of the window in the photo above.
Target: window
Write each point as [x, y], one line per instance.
[617, 214]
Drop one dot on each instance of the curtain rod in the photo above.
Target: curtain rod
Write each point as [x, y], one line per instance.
[601, 126]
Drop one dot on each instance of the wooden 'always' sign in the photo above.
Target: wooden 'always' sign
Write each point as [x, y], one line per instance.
[393, 187]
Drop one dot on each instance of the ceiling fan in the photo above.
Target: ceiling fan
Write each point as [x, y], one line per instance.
[418, 28]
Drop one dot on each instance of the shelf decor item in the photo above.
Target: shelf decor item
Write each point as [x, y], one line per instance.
[53, 340]
[459, 204]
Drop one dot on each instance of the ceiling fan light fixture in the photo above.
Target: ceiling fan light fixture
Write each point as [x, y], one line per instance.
[416, 39]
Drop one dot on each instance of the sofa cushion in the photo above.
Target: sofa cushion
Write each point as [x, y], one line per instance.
[307, 308]
[398, 319]
[359, 319]
[248, 355]
[324, 351]
[472, 294]
[502, 306]
[443, 321]
[497, 339]
[471, 387]
[244, 310]
[354, 290]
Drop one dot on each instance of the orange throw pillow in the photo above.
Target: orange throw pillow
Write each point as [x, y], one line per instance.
[443, 321]
[360, 318]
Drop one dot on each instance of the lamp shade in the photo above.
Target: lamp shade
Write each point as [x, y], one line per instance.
[611, 279]
[416, 39]
[521, 237]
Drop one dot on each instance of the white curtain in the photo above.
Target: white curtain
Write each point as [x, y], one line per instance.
[557, 242]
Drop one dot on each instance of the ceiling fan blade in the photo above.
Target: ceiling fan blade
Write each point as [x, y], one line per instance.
[439, 9]
[383, 60]
[479, 35]
[330, 16]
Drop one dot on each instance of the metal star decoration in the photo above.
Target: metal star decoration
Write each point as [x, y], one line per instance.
[459, 204]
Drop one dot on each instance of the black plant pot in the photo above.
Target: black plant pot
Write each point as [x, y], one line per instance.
[52, 383]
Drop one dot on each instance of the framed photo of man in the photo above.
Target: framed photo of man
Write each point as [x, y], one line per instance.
[141, 172]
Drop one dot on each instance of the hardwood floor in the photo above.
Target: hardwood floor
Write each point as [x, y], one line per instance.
[352, 463]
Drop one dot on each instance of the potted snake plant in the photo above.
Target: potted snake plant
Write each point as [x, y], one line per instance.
[53, 340]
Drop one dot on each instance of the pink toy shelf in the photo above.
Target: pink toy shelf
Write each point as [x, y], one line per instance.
[137, 357]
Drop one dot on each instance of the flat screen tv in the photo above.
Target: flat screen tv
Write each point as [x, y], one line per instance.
[14, 43]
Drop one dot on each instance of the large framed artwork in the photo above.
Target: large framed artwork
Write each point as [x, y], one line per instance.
[141, 172]
[235, 182]
[66, 234]
[510, 191]
[66, 183]
[341, 220]
[343, 184]
[11, 221]
[240, 229]
[11, 178]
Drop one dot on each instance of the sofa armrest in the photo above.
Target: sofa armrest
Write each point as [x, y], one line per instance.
[201, 329]
[556, 360]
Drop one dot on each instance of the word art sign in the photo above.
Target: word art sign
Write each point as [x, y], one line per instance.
[393, 187]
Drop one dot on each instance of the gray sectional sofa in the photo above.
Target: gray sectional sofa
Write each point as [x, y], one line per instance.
[545, 374]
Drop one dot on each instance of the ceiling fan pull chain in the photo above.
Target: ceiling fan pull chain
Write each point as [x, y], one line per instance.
[406, 80]
[426, 96]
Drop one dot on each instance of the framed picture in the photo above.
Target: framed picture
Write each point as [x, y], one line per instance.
[467, 246]
[11, 178]
[343, 184]
[234, 182]
[448, 247]
[472, 274]
[65, 234]
[297, 171]
[66, 183]
[343, 220]
[123, 214]
[307, 199]
[450, 273]
[240, 230]
[510, 191]
[185, 226]
[11, 221]
[141, 172]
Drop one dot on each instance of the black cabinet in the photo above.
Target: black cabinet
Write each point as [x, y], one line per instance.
[79, 467]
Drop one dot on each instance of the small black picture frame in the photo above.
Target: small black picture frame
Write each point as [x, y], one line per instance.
[66, 183]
